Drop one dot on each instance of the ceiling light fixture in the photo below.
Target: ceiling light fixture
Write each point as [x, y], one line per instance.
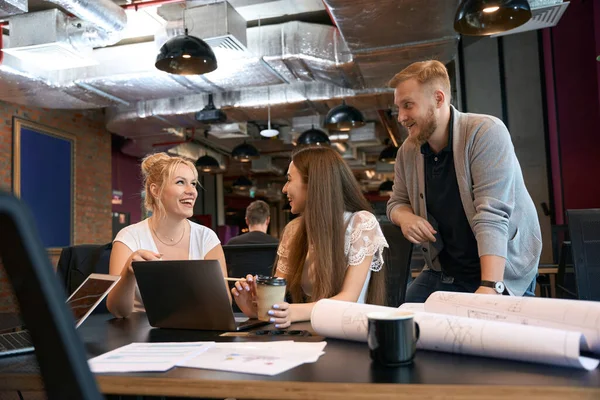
[313, 136]
[343, 118]
[386, 186]
[488, 17]
[245, 152]
[269, 132]
[388, 155]
[186, 55]
[208, 164]
[242, 183]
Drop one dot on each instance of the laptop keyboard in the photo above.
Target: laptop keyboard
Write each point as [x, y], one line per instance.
[15, 342]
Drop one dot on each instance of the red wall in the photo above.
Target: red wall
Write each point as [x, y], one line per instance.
[126, 177]
[575, 46]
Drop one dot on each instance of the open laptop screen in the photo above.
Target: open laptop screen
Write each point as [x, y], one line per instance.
[91, 292]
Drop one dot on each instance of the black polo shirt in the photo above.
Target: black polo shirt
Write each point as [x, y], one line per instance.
[459, 257]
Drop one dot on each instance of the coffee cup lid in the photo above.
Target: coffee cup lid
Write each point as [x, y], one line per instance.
[270, 280]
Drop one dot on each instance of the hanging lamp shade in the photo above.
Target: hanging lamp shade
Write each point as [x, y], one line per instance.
[313, 136]
[269, 132]
[388, 155]
[242, 183]
[208, 164]
[186, 55]
[245, 152]
[386, 186]
[343, 118]
[487, 17]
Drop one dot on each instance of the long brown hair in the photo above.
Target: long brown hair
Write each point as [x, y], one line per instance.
[331, 190]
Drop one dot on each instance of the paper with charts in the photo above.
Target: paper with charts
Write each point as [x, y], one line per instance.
[455, 334]
[263, 358]
[146, 357]
[569, 315]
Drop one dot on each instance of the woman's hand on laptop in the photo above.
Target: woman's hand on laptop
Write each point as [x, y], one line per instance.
[244, 293]
[141, 255]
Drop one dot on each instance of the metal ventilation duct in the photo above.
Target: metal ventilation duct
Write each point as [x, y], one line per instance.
[544, 14]
[105, 14]
[12, 7]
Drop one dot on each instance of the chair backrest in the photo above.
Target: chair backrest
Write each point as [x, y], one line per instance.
[59, 351]
[76, 263]
[255, 259]
[584, 230]
[397, 263]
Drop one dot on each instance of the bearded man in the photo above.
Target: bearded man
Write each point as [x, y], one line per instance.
[459, 193]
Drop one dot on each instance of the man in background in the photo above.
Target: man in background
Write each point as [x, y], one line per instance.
[258, 217]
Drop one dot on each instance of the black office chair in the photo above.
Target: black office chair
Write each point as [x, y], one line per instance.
[244, 259]
[59, 351]
[584, 230]
[76, 263]
[566, 288]
[397, 263]
[255, 259]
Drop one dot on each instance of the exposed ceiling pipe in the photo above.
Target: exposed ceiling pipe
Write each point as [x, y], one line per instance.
[394, 134]
[107, 20]
[141, 4]
[3, 23]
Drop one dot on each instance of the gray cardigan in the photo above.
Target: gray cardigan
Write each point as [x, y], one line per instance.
[496, 202]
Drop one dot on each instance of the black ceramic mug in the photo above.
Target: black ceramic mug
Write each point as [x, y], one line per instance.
[392, 337]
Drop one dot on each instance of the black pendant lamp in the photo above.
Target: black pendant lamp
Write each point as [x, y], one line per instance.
[488, 17]
[242, 183]
[343, 118]
[313, 136]
[245, 152]
[388, 155]
[208, 164]
[186, 55]
[386, 186]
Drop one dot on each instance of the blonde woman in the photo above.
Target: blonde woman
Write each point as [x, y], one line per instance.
[171, 191]
[332, 250]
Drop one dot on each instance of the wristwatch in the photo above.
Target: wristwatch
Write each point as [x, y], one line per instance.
[497, 286]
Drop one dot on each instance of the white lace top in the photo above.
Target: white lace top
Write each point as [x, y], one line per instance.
[363, 238]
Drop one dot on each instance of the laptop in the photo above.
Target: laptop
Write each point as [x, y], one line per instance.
[82, 302]
[188, 294]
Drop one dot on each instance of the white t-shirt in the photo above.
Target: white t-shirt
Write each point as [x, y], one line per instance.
[363, 238]
[139, 237]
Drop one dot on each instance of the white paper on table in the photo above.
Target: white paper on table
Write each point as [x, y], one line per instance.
[146, 357]
[412, 307]
[345, 320]
[570, 315]
[263, 358]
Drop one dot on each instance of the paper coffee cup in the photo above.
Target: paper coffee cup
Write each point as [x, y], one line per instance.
[269, 290]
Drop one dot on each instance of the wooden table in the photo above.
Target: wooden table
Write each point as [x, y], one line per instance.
[344, 372]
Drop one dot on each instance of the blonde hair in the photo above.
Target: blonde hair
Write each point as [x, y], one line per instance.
[428, 73]
[158, 169]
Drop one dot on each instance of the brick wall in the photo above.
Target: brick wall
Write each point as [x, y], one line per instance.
[93, 173]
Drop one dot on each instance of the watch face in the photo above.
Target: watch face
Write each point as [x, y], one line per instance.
[499, 287]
